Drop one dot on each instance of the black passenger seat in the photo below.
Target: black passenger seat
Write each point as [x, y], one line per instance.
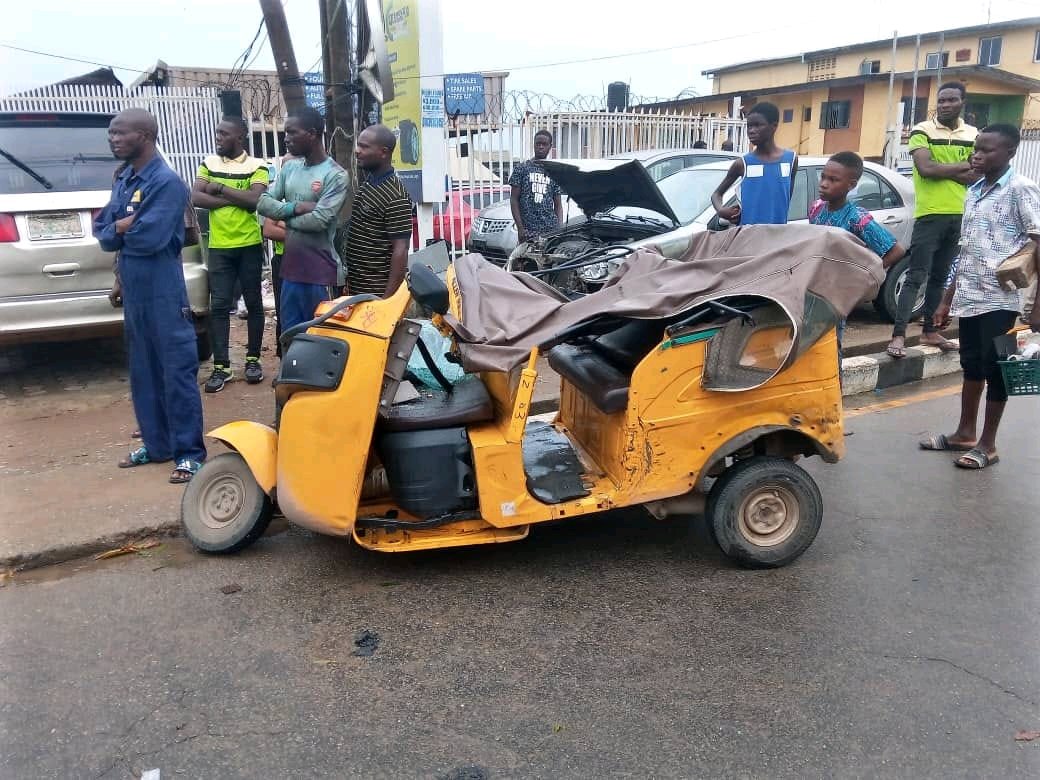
[468, 403]
[602, 368]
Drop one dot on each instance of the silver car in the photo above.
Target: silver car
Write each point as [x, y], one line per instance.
[494, 233]
[683, 208]
[54, 276]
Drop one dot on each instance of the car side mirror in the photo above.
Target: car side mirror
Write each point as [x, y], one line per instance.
[427, 289]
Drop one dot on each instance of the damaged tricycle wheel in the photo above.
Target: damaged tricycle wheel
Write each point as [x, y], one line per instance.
[764, 511]
[224, 509]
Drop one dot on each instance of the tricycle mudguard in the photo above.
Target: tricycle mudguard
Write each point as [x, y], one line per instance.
[257, 444]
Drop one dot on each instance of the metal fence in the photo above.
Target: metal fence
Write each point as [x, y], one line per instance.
[482, 153]
[1027, 159]
[599, 134]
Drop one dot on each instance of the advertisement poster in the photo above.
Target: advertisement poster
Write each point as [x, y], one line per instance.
[432, 107]
[464, 93]
[314, 90]
[403, 114]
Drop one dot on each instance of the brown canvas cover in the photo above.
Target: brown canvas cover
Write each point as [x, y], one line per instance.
[504, 315]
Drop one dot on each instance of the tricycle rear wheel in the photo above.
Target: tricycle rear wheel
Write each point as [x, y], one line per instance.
[223, 509]
[764, 512]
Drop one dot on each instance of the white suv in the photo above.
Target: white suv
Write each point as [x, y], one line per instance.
[54, 277]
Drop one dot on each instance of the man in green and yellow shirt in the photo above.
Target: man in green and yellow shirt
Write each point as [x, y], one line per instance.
[940, 149]
[229, 183]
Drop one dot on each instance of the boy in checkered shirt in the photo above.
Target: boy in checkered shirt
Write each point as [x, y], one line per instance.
[1001, 214]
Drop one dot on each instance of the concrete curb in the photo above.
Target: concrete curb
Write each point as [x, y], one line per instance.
[61, 553]
[867, 373]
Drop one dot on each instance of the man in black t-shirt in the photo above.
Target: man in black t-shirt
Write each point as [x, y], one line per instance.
[535, 198]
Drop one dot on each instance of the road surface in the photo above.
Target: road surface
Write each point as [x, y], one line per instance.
[902, 644]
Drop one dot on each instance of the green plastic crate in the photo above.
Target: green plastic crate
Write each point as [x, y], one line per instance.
[1021, 377]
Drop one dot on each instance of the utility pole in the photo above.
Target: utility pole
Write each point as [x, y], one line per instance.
[339, 98]
[891, 137]
[339, 117]
[284, 58]
[913, 96]
[938, 75]
[366, 103]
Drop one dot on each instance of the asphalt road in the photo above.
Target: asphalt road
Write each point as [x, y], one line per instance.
[903, 644]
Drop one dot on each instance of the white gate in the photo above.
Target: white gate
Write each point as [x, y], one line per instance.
[482, 151]
[1027, 159]
[266, 140]
[186, 116]
[599, 134]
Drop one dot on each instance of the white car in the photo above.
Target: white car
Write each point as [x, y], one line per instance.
[494, 233]
[624, 206]
[55, 174]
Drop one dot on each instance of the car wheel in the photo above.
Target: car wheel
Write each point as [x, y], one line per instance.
[203, 345]
[764, 512]
[224, 509]
[887, 301]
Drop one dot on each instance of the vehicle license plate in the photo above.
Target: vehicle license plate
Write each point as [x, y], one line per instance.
[55, 224]
[478, 245]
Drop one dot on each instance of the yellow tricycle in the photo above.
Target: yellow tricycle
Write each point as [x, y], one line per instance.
[686, 386]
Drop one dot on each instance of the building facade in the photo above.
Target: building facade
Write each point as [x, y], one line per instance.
[836, 99]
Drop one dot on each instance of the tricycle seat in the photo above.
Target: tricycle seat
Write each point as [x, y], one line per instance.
[602, 368]
[468, 403]
[590, 373]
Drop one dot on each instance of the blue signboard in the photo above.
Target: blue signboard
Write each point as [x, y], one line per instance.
[314, 91]
[464, 93]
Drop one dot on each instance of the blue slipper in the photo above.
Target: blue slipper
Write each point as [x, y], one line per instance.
[138, 457]
[186, 469]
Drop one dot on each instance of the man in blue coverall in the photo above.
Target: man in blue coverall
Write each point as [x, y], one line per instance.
[144, 222]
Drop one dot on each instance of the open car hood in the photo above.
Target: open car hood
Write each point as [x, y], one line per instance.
[598, 185]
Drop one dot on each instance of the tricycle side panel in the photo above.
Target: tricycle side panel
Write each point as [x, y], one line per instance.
[602, 435]
[680, 426]
[673, 429]
[324, 437]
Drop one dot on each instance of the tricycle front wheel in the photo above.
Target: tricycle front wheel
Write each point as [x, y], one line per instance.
[764, 511]
[224, 509]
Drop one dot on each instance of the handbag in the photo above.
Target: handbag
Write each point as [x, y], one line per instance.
[1019, 271]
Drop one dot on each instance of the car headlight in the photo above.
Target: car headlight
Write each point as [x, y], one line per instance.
[596, 272]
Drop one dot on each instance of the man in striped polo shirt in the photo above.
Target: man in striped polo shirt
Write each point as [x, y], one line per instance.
[940, 148]
[376, 251]
[229, 183]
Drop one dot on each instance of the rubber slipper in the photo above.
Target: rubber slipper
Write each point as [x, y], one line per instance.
[138, 457]
[896, 352]
[185, 470]
[976, 459]
[941, 442]
[944, 345]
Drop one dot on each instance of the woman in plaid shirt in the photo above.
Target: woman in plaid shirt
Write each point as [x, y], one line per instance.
[1001, 213]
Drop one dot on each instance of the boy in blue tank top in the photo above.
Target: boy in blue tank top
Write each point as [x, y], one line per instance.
[768, 175]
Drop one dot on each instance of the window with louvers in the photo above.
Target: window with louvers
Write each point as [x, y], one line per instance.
[822, 68]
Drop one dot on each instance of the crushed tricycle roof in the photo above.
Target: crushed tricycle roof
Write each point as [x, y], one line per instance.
[504, 315]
